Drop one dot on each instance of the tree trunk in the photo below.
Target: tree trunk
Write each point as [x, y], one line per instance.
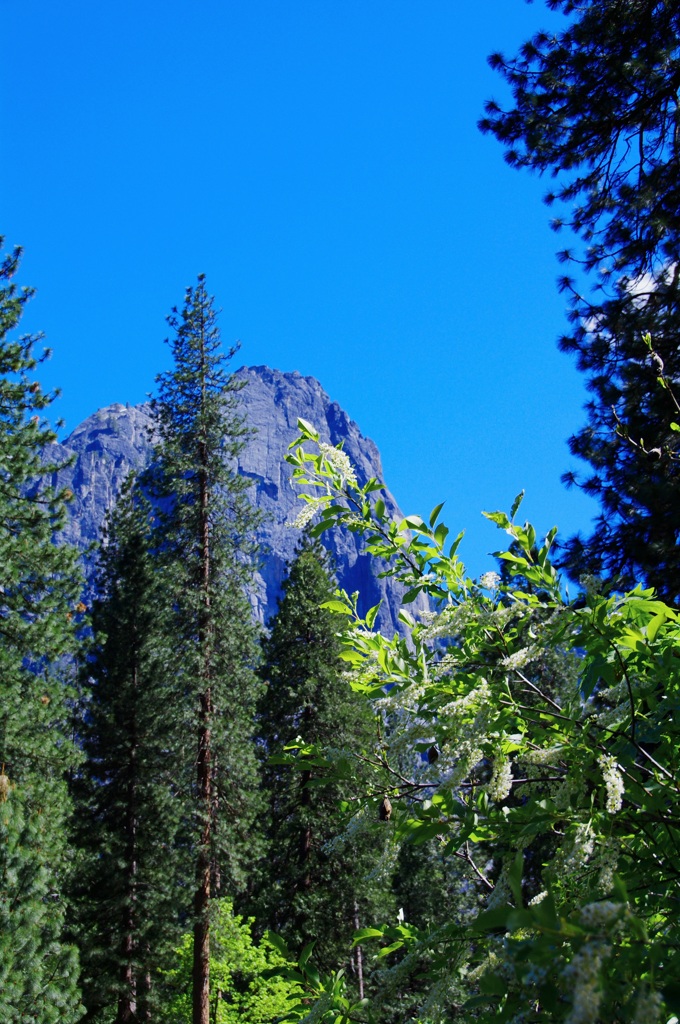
[360, 959]
[201, 967]
[127, 1000]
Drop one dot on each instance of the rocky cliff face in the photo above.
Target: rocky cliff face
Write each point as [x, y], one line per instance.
[115, 440]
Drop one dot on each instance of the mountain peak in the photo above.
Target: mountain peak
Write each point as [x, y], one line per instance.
[115, 440]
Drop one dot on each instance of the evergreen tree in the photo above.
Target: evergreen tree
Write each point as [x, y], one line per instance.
[39, 590]
[313, 889]
[128, 810]
[205, 541]
[596, 105]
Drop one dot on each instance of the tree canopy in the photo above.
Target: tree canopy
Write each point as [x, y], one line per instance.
[596, 107]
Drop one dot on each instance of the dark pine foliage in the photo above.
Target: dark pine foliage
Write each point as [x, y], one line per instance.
[39, 605]
[314, 889]
[596, 106]
[128, 823]
[205, 542]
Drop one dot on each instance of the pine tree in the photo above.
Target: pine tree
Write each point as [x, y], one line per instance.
[311, 891]
[205, 540]
[129, 814]
[596, 106]
[39, 593]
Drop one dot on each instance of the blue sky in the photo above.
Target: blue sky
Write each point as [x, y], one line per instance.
[319, 161]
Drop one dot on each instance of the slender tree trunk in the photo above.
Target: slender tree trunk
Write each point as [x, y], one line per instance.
[127, 1000]
[359, 955]
[201, 968]
[144, 1006]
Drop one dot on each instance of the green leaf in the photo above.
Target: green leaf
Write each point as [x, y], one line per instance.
[337, 606]
[492, 985]
[412, 523]
[434, 514]
[372, 614]
[516, 504]
[490, 920]
[440, 534]
[515, 877]
[306, 953]
[367, 933]
[386, 950]
[499, 518]
[278, 943]
[655, 625]
[306, 428]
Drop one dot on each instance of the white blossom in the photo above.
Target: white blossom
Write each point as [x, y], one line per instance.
[648, 1008]
[598, 917]
[613, 780]
[538, 898]
[519, 659]
[501, 780]
[305, 516]
[489, 581]
[583, 977]
[340, 462]
[576, 854]
[545, 755]
[607, 863]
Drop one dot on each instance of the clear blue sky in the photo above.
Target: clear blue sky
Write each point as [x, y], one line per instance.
[319, 160]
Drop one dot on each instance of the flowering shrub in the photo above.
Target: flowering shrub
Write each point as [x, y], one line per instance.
[539, 739]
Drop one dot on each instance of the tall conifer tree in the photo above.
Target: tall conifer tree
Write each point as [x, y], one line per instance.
[205, 540]
[596, 106]
[310, 891]
[129, 813]
[39, 591]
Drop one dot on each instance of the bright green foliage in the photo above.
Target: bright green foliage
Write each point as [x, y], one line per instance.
[128, 809]
[39, 591]
[315, 885]
[241, 989]
[596, 106]
[573, 788]
[204, 541]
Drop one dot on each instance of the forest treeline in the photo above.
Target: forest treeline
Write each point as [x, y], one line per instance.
[477, 819]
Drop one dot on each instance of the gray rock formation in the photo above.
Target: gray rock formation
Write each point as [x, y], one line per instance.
[115, 440]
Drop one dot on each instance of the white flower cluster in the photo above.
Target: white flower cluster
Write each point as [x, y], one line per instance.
[450, 621]
[613, 780]
[538, 898]
[489, 581]
[339, 461]
[501, 779]
[358, 825]
[516, 661]
[469, 754]
[599, 917]
[546, 755]
[576, 854]
[592, 585]
[305, 515]
[607, 863]
[611, 718]
[648, 1008]
[457, 708]
[583, 976]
